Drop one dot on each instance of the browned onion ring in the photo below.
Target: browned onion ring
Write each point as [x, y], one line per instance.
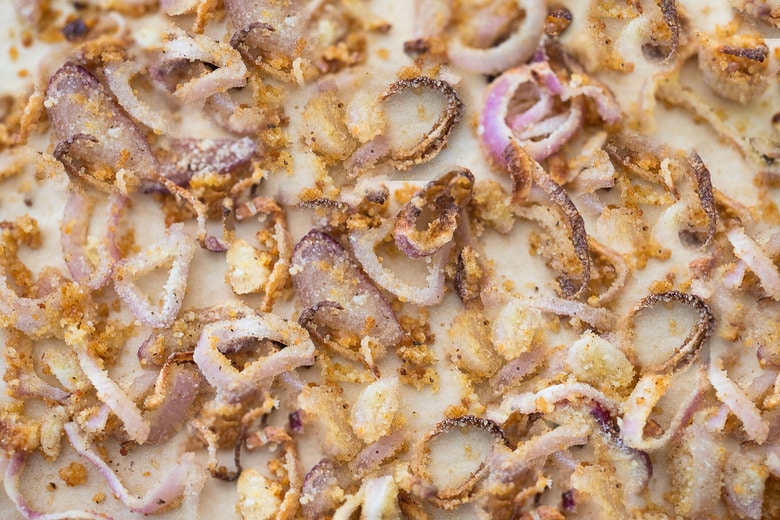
[435, 140]
[687, 352]
[447, 195]
[523, 166]
[705, 193]
[452, 497]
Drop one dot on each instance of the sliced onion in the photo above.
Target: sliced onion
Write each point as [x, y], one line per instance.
[11, 482]
[21, 379]
[74, 227]
[370, 458]
[749, 252]
[446, 197]
[321, 491]
[118, 76]
[516, 49]
[597, 317]
[183, 159]
[618, 264]
[160, 498]
[744, 483]
[323, 271]
[756, 428]
[435, 140]
[705, 193]
[228, 336]
[545, 400]
[174, 404]
[364, 243]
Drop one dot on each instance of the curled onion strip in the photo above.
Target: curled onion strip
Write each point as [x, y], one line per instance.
[757, 260]
[522, 164]
[435, 140]
[374, 454]
[318, 499]
[685, 354]
[447, 195]
[206, 241]
[29, 315]
[734, 397]
[292, 465]
[227, 336]
[230, 72]
[647, 392]
[450, 498]
[516, 49]
[160, 498]
[364, 242]
[174, 248]
[11, 483]
[618, 264]
[545, 400]
[118, 76]
[74, 228]
[705, 193]
[597, 317]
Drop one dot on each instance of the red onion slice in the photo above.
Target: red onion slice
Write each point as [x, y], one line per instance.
[516, 49]
[176, 404]
[74, 227]
[11, 483]
[175, 248]
[182, 159]
[364, 242]
[757, 260]
[226, 336]
[756, 428]
[705, 193]
[118, 76]
[160, 498]
[446, 197]
[322, 271]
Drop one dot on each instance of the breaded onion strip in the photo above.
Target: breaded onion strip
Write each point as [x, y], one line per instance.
[11, 482]
[182, 159]
[672, 21]
[597, 317]
[230, 71]
[323, 271]
[435, 140]
[757, 260]
[222, 337]
[686, 353]
[176, 248]
[705, 192]
[370, 458]
[515, 50]
[161, 497]
[241, 42]
[206, 241]
[645, 395]
[545, 400]
[280, 273]
[522, 165]
[449, 498]
[618, 264]
[446, 197]
[118, 76]
[364, 243]
[73, 237]
[319, 496]
[728, 392]
[29, 315]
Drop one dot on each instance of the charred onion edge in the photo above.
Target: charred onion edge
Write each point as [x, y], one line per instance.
[514, 50]
[450, 498]
[672, 21]
[12, 489]
[159, 498]
[174, 246]
[685, 354]
[446, 197]
[521, 164]
[435, 140]
[758, 53]
[705, 192]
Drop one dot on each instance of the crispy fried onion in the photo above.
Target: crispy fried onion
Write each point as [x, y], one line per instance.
[544, 401]
[322, 271]
[756, 428]
[737, 69]
[364, 243]
[31, 315]
[181, 49]
[183, 159]
[98, 142]
[321, 493]
[524, 167]
[223, 337]
[518, 106]
[445, 198]
[705, 192]
[21, 379]
[174, 248]
[171, 402]
[435, 140]
[767, 11]
[165, 495]
[645, 395]
[512, 51]
[746, 249]
[74, 227]
[686, 353]
[370, 458]
[449, 498]
[597, 317]
[13, 473]
[619, 269]
[282, 244]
